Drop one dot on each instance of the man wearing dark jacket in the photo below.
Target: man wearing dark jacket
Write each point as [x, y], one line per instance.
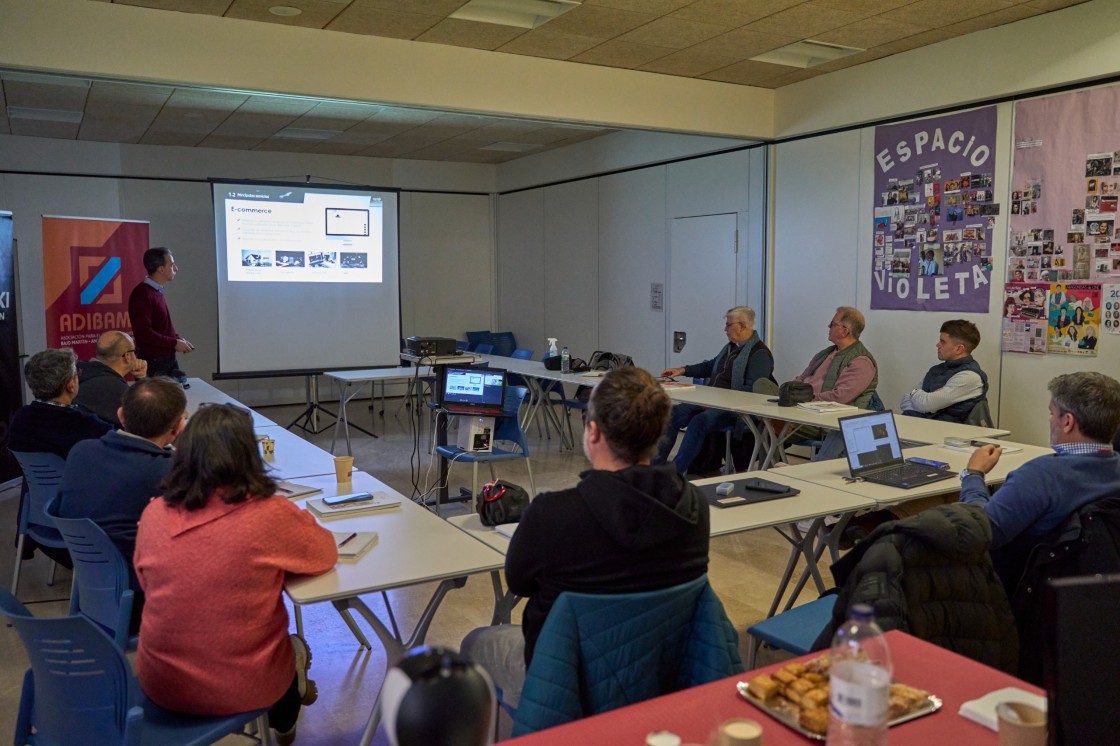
[112, 479]
[156, 338]
[741, 362]
[954, 386]
[102, 377]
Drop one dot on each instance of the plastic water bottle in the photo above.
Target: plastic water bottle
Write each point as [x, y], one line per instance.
[859, 682]
[552, 351]
[565, 361]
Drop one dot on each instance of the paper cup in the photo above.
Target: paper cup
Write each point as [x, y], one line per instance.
[740, 732]
[268, 446]
[1021, 724]
[343, 465]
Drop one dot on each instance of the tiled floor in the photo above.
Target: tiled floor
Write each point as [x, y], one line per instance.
[744, 571]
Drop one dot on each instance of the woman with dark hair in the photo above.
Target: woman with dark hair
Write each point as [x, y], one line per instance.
[212, 555]
[1078, 316]
[1062, 321]
[626, 527]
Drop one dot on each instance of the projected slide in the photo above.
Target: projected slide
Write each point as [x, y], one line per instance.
[301, 235]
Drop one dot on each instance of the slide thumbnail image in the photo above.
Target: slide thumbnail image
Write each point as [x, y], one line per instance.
[250, 258]
[323, 259]
[290, 259]
[354, 260]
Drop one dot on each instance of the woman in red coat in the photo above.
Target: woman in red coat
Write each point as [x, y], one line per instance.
[212, 555]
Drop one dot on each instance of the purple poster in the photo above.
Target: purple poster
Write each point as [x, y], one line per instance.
[934, 213]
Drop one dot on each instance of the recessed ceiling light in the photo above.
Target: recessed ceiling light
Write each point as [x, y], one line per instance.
[807, 53]
[300, 133]
[284, 10]
[517, 13]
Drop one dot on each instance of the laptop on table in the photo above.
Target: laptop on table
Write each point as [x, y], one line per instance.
[875, 453]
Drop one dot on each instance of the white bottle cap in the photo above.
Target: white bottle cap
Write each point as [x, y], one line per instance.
[663, 738]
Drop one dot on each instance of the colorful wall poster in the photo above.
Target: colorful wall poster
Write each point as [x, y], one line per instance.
[1073, 319]
[1110, 309]
[11, 392]
[934, 215]
[89, 268]
[1024, 317]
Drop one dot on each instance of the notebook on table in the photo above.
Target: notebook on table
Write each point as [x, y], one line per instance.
[875, 453]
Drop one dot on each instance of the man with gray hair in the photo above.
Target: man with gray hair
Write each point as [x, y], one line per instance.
[742, 361]
[53, 423]
[844, 372]
[101, 379]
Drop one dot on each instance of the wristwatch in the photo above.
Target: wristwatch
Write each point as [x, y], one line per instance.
[966, 472]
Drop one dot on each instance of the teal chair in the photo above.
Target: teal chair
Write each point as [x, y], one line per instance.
[80, 690]
[599, 652]
[43, 472]
[794, 631]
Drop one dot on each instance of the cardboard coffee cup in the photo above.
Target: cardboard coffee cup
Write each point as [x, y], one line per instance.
[268, 447]
[343, 465]
[740, 732]
[1021, 724]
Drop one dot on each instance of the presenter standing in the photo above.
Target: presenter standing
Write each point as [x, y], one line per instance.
[156, 339]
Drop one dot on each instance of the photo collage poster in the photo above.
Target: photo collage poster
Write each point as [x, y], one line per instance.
[1110, 309]
[934, 217]
[1065, 190]
[1073, 319]
[1025, 323]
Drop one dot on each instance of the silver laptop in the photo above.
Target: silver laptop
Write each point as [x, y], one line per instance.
[875, 454]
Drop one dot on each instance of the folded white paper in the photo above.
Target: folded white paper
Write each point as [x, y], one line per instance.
[983, 710]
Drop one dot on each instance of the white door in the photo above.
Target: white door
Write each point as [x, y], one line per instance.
[702, 274]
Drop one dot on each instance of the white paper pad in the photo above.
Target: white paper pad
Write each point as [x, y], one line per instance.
[506, 529]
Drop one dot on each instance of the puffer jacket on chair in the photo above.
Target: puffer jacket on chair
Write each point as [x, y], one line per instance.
[600, 652]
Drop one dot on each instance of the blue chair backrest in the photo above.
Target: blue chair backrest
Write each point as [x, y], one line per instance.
[101, 589]
[460, 345]
[522, 354]
[508, 426]
[80, 687]
[43, 472]
[474, 339]
[504, 343]
[484, 349]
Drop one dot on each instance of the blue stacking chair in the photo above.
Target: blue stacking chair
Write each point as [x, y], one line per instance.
[80, 689]
[795, 630]
[507, 429]
[43, 472]
[484, 349]
[101, 590]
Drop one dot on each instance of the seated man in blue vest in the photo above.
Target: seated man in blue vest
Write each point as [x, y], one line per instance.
[954, 386]
[112, 479]
[742, 361]
[845, 373]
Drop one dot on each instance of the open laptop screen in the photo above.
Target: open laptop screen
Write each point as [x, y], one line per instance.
[474, 391]
[871, 440]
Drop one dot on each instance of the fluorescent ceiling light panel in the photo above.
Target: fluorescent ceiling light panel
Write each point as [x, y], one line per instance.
[297, 133]
[807, 53]
[44, 115]
[518, 13]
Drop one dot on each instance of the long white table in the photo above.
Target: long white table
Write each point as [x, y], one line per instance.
[201, 392]
[356, 379]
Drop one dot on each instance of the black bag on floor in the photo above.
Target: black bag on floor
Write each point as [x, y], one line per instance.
[502, 502]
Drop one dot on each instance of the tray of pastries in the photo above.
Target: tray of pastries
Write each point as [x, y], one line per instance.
[797, 696]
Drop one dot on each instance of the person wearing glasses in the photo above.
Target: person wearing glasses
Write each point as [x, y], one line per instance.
[742, 361]
[102, 377]
[212, 555]
[156, 338]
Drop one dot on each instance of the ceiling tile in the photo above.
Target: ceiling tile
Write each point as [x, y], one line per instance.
[286, 145]
[316, 13]
[230, 142]
[913, 42]
[690, 63]
[657, 7]
[33, 128]
[793, 77]
[470, 34]
[35, 95]
[195, 112]
[863, 8]
[598, 22]
[488, 156]
[805, 21]
[673, 33]
[401, 115]
[938, 13]
[331, 115]
[426, 7]
[869, 32]
[109, 130]
[991, 20]
[541, 42]
[1049, 5]
[209, 7]
[331, 147]
[185, 139]
[622, 54]
[743, 44]
[733, 12]
[103, 93]
[747, 73]
[377, 21]
[440, 151]
[850, 61]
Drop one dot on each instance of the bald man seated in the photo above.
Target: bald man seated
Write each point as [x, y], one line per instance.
[102, 377]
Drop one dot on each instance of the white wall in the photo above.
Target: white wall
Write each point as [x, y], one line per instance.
[603, 241]
[446, 239]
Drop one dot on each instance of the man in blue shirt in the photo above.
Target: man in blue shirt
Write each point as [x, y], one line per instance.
[1039, 496]
[742, 361]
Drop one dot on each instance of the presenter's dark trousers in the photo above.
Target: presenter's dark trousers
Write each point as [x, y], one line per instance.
[164, 365]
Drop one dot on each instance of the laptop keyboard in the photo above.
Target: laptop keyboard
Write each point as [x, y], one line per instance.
[904, 471]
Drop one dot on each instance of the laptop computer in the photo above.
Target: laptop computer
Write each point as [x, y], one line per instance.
[875, 453]
[474, 391]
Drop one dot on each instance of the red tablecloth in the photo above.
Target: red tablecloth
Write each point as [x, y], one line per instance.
[694, 714]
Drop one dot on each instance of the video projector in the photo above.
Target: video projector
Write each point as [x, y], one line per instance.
[430, 346]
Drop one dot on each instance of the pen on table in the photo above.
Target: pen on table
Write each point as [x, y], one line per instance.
[345, 541]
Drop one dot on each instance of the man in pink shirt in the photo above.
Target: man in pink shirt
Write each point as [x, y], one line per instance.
[845, 372]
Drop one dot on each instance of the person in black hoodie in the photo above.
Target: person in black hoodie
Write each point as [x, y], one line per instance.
[626, 527]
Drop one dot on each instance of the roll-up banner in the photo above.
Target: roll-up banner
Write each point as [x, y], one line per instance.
[11, 394]
[90, 266]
